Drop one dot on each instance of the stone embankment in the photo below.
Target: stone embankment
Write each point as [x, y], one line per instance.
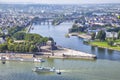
[60, 53]
[68, 53]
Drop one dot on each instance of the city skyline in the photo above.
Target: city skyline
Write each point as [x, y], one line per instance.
[59, 1]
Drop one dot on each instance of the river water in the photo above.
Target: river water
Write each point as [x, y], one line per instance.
[106, 67]
[58, 34]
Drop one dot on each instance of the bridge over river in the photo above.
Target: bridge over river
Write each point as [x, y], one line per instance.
[52, 20]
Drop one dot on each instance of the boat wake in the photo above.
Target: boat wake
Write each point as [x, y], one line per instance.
[65, 70]
[68, 71]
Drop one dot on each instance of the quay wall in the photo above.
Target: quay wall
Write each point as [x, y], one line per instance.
[60, 53]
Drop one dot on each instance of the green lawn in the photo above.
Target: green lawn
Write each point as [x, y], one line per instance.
[81, 32]
[104, 45]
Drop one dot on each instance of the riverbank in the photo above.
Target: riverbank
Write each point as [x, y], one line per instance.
[104, 45]
[95, 43]
[81, 35]
[67, 53]
[19, 57]
[60, 53]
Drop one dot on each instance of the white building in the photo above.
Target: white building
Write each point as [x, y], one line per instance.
[111, 34]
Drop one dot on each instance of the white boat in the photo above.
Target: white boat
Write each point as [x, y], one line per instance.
[38, 60]
[44, 69]
[21, 59]
[4, 58]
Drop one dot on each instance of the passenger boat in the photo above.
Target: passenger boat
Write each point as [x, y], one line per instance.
[4, 58]
[44, 69]
[38, 60]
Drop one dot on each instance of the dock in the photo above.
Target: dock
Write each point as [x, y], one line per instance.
[19, 57]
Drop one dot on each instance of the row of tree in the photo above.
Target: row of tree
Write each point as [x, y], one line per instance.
[35, 38]
[18, 47]
[25, 42]
[101, 35]
[13, 30]
[19, 41]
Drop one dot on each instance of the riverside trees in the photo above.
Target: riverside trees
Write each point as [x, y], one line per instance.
[27, 44]
[19, 41]
[112, 40]
[101, 35]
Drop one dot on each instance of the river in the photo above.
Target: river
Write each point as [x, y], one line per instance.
[106, 67]
[58, 34]
[72, 69]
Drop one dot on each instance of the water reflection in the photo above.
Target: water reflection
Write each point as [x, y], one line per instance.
[50, 62]
[93, 48]
[110, 51]
[45, 73]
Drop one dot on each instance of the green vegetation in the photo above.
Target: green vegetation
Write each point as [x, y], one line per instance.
[57, 21]
[93, 36]
[19, 41]
[13, 30]
[28, 43]
[104, 44]
[82, 32]
[101, 35]
[76, 28]
[67, 36]
[19, 35]
[3, 47]
[118, 35]
[118, 17]
[100, 40]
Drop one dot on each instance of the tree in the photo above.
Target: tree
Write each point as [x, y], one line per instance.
[33, 37]
[19, 35]
[118, 35]
[13, 30]
[11, 47]
[33, 48]
[3, 47]
[110, 42]
[27, 48]
[118, 17]
[93, 36]
[101, 35]
[16, 48]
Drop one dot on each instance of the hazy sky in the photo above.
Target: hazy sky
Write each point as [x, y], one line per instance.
[60, 1]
